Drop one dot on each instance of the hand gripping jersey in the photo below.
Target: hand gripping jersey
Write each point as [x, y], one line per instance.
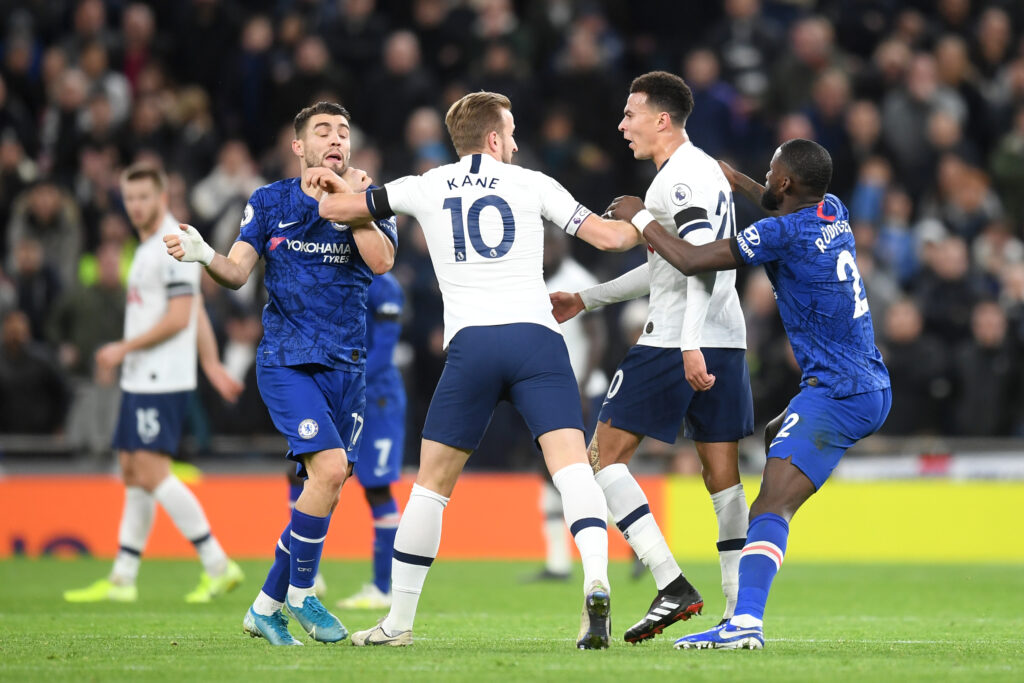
[810, 258]
[483, 224]
[315, 278]
[155, 278]
[690, 196]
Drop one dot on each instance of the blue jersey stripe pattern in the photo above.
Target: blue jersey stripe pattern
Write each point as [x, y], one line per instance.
[315, 278]
[810, 258]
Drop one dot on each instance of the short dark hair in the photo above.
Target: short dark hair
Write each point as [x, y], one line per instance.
[809, 162]
[303, 117]
[665, 92]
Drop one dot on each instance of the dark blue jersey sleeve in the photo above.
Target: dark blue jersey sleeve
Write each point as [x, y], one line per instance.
[764, 241]
[253, 230]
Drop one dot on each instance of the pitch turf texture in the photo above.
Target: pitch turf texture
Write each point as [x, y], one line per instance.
[478, 622]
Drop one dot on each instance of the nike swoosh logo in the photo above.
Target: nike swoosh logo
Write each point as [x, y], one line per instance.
[282, 224]
[304, 561]
[274, 241]
[772, 444]
[746, 632]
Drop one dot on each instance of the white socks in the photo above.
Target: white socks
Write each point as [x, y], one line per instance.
[632, 514]
[586, 513]
[184, 509]
[732, 512]
[266, 605]
[555, 540]
[416, 544]
[136, 523]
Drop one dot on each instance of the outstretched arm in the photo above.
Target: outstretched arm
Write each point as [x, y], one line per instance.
[688, 258]
[608, 235]
[746, 186]
[229, 271]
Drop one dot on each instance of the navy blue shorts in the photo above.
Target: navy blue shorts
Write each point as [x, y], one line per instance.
[523, 363]
[382, 443]
[817, 429]
[649, 395]
[151, 422]
[315, 407]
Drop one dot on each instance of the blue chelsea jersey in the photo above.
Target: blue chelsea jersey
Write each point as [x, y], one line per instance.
[810, 258]
[383, 329]
[315, 278]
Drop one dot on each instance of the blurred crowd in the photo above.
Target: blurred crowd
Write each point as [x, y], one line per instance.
[921, 104]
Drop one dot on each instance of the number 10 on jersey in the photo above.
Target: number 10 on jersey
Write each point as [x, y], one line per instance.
[472, 226]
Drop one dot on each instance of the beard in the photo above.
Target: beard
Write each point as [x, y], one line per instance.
[770, 201]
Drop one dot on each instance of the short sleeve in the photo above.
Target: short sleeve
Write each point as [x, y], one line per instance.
[181, 278]
[406, 195]
[687, 208]
[560, 207]
[252, 229]
[763, 242]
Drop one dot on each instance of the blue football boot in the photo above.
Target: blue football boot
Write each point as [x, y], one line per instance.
[274, 628]
[320, 624]
[724, 637]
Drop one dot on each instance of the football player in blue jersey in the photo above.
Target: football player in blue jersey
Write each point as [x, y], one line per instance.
[311, 361]
[381, 445]
[807, 249]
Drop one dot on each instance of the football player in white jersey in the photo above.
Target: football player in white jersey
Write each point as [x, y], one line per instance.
[707, 386]
[585, 338]
[482, 218]
[163, 323]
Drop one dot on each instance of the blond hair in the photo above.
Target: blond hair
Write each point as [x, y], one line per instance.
[144, 171]
[472, 118]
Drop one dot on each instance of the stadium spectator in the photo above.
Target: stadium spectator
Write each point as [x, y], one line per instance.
[219, 197]
[918, 367]
[82, 320]
[948, 291]
[33, 394]
[407, 83]
[987, 377]
[1007, 169]
[47, 215]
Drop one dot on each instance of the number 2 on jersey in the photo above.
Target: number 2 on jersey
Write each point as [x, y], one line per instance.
[454, 204]
[845, 260]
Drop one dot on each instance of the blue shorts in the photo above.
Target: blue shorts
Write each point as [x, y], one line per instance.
[522, 363]
[817, 429]
[649, 395]
[151, 422]
[315, 407]
[382, 443]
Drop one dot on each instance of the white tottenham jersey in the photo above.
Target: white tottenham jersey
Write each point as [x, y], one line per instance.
[154, 278]
[572, 277]
[691, 197]
[483, 223]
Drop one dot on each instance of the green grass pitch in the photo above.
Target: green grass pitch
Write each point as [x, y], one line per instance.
[477, 622]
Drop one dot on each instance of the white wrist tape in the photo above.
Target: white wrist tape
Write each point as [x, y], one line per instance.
[641, 220]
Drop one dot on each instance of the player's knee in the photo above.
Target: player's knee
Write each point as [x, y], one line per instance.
[378, 495]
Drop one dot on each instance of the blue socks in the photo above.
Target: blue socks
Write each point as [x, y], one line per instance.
[307, 544]
[385, 527]
[276, 585]
[760, 561]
